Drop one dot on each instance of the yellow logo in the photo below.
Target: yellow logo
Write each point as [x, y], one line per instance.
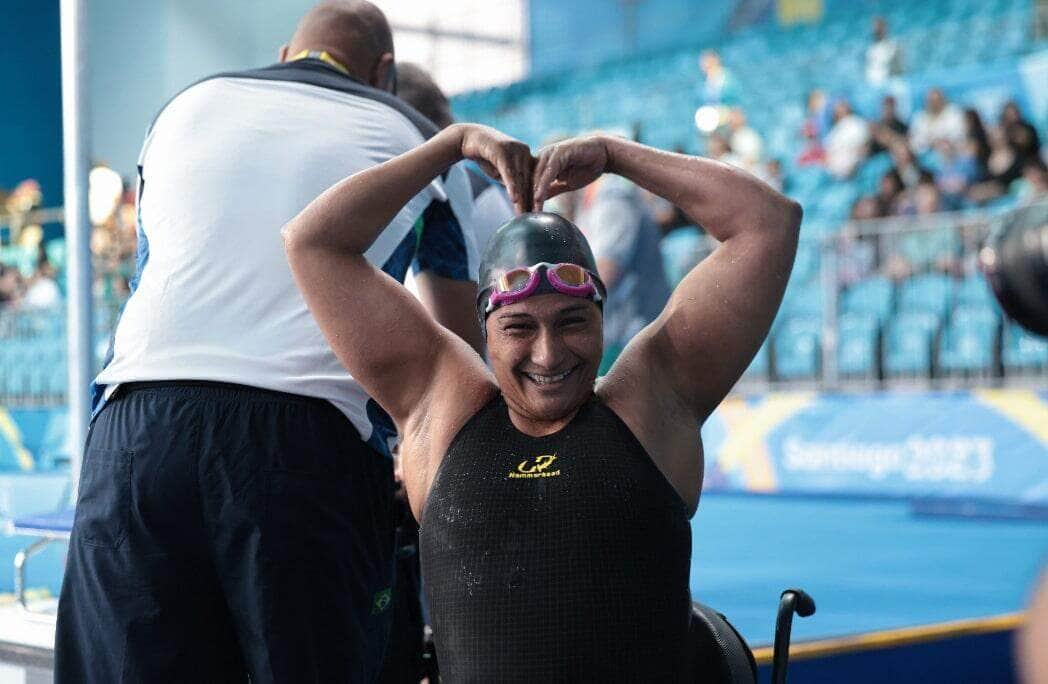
[539, 469]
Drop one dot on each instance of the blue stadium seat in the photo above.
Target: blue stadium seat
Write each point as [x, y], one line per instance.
[760, 365]
[803, 298]
[871, 296]
[908, 343]
[797, 348]
[1023, 351]
[974, 291]
[857, 345]
[929, 292]
[927, 249]
[967, 344]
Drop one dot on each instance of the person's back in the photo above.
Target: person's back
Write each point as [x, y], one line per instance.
[226, 164]
[234, 469]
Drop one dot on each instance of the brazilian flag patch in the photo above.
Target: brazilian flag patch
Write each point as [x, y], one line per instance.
[382, 601]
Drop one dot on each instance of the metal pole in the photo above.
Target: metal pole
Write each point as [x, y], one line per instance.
[828, 272]
[75, 151]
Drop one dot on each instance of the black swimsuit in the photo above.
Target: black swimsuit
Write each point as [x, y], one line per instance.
[557, 558]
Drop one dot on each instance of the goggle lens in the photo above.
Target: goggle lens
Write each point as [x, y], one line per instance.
[571, 274]
[515, 280]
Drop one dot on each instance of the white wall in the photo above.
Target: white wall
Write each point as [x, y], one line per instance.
[143, 52]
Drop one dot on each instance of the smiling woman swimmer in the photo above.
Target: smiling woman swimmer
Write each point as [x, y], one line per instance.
[554, 509]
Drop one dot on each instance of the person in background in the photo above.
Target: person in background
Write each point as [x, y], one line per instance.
[907, 166]
[718, 85]
[745, 142]
[856, 250]
[955, 172]
[813, 154]
[889, 129]
[819, 114]
[718, 147]
[11, 287]
[889, 191]
[234, 515]
[883, 57]
[491, 205]
[940, 119]
[1013, 143]
[976, 142]
[625, 242]
[42, 291]
[772, 174]
[1033, 185]
[1020, 134]
[847, 142]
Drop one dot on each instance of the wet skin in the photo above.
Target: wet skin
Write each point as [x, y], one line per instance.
[545, 352]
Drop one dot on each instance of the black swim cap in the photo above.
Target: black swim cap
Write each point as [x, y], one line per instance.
[530, 239]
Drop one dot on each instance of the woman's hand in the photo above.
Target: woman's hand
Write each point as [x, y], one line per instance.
[568, 166]
[502, 158]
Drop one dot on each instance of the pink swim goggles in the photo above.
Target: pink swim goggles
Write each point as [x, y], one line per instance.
[524, 281]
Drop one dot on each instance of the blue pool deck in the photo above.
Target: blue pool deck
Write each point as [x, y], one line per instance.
[870, 565]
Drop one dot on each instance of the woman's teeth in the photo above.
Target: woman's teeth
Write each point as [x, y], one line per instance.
[548, 379]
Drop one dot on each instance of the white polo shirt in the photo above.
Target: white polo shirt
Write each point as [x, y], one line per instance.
[225, 165]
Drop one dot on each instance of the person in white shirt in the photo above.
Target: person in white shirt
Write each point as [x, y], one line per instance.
[939, 120]
[234, 513]
[883, 57]
[847, 142]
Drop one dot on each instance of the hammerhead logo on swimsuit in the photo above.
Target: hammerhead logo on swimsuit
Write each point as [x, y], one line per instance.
[539, 469]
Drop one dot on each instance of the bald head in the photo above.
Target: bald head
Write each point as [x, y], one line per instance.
[416, 87]
[354, 32]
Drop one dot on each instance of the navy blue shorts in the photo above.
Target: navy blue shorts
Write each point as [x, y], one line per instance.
[224, 532]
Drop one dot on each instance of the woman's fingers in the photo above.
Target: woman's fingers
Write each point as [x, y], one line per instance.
[546, 170]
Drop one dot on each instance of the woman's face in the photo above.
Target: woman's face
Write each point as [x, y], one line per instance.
[545, 352]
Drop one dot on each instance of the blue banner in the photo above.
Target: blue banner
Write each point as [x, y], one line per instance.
[986, 444]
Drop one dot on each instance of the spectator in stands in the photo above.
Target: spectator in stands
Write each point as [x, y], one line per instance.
[745, 142]
[11, 287]
[625, 242]
[772, 174]
[847, 142]
[42, 290]
[1020, 134]
[718, 85]
[1011, 145]
[889, 190]
[907, 166]
[938, 120]
[813, 154]
[819, 117]
[883, 57]
[1033, 186]
[718, 147]
[955, 173]
[856, 250]
[889, 129]
[926, 197]
[976, 142]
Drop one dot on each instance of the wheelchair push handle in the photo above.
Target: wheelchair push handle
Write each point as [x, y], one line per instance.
[791, 600]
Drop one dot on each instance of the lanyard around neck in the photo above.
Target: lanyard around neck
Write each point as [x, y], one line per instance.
[323, 56]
